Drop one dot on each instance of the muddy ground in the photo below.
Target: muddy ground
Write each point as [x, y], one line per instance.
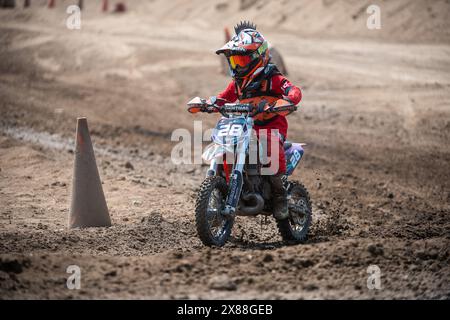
[375, 117]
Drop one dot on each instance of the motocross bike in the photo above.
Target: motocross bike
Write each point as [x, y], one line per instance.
[239, 188]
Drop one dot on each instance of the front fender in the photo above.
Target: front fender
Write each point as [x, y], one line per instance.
[215, 150]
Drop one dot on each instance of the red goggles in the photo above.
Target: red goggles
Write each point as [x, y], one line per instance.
[241, 61]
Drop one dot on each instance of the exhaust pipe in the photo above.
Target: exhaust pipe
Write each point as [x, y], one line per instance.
[251, 210]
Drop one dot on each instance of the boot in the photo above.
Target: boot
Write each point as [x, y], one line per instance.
[279, 197]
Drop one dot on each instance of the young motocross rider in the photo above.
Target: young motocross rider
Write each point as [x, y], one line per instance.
[254, 76]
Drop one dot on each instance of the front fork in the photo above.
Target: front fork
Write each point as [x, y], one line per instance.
[236, 179]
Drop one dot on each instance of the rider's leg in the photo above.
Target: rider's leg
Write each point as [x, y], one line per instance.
[279, 193]
[279, 197]
[278, 166]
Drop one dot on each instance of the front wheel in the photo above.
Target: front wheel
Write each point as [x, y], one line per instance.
[295, 228]
[213, 228]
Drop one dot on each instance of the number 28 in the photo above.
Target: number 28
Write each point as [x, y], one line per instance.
[230, 130]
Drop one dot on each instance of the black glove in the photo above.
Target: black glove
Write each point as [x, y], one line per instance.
[209, 103]
[259, 108]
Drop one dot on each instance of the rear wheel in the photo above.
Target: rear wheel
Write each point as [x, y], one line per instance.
[295, 228]
[213, 228]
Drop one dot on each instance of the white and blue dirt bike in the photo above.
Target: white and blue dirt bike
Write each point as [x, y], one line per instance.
[239, 188]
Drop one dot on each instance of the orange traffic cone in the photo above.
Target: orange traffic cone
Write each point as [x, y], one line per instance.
[51, 3]
[88, 208]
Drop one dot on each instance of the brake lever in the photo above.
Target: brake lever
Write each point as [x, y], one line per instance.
[210, 108]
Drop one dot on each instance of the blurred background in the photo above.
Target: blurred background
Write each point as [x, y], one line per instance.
[375, 117]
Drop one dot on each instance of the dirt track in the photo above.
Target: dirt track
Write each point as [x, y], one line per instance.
[375, 116]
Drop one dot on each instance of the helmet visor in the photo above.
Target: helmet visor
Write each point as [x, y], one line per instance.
[241, 61]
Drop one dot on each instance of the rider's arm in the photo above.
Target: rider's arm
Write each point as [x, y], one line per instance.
[229, 93]
[283, 86]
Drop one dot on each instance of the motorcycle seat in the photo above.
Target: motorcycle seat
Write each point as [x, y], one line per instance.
[287, 145]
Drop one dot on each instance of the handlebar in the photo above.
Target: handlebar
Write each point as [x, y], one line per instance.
[234, 108]
[226, 109]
